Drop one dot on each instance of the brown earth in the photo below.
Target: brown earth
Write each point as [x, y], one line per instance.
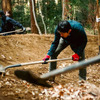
[23, 48]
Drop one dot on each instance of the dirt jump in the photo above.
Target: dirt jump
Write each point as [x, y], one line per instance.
[23, 48]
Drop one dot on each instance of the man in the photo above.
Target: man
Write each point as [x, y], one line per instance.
[68, 33]
[8, 24]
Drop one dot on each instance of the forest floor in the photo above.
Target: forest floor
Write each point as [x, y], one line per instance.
[15, 49]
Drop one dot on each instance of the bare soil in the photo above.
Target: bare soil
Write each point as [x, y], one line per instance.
[23, 48]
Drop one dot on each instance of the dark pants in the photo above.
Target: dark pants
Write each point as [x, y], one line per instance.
[62, 45]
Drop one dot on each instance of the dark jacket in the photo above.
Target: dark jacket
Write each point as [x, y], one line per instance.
[8, 24]
[77, 39]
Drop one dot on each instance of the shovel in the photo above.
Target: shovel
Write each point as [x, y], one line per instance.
[32, 78]
[4, 33]
[16, 31]
[3, 69]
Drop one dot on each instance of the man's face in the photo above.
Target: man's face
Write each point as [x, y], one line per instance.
[7, 14]
[0, 15]
[65, 35]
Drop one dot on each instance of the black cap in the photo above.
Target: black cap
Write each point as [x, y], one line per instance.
[64, 26]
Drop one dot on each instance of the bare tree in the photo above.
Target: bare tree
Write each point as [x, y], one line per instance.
[34, 26]
[98, 26]
[6, 6]
[92, 14]
[42, 17]
[64, 9]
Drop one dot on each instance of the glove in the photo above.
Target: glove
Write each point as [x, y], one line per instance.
[47, 57]
[75, 57]
[24, 29]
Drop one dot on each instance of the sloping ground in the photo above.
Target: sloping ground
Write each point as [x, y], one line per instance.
[30, 47]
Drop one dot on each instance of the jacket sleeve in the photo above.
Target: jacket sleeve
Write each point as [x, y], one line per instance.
[15, 23]
[54, 43]
[82, 43]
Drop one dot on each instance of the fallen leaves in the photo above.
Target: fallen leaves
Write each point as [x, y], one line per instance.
[85, 91]
[70, 91]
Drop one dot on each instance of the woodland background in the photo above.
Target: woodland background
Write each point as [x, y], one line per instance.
[46, 13]
[42, 16]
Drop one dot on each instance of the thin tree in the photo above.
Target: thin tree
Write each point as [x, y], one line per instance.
[34, 25]
[92, 14]
[6, 6]
[64, 9]
[42, 17]
[97, 16]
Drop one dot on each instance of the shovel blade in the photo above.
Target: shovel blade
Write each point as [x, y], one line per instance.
[2, 69]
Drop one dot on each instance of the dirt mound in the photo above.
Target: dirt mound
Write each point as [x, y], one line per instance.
[30, 47]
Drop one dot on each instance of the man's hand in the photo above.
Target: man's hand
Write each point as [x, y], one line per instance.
[75, 57]
[24, 29]
[47, 57]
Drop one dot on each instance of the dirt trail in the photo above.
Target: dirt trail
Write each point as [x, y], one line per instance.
[30, 47]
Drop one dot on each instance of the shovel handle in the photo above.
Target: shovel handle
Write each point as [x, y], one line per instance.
[36, 62]
[18, 30]
[79, 65]
[10, 32]
[53, 60]
[48, 61]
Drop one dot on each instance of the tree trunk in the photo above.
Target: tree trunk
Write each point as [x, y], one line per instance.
[92, 14]
[98, 26]
[6, 6]
[33, 25]
[64, 9]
